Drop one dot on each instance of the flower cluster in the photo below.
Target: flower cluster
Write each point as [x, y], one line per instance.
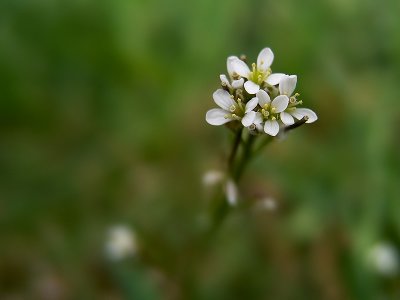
[260, 100]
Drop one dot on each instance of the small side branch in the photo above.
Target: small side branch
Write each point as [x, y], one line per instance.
[296, 124]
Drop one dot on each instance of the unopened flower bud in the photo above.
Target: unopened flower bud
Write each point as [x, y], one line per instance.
[231, 192]
[235, 76]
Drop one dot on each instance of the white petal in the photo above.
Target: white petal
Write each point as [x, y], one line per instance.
[295, 113]
[286, 118]
[224, 80]
[231, 192]
[240, 67]
[251, 104]
[280, 103]
[275, 78]
[251, 87]
[265, 59]
[223, 99]
[271, 127]
[263, 98]
[258, 119]
[259, 127]
[216, 116]
[287, 85]
[299, 113]
[229, 64]
[248, 118]
[238, 84]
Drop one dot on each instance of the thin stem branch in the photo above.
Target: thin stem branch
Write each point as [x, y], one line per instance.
[261, 145]
[235, 148]
[221, 205]
[296, 124]
[246, 156]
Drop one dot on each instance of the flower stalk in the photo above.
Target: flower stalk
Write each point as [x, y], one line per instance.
[235, 147]
[244, 159]
[257, 105]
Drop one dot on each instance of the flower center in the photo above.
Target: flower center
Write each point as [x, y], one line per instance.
[258, 76]
[293, 102]
[268, 112]
[237, 110]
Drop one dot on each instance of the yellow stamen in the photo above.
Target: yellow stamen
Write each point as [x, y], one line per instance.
[240, 103]
[234, 116]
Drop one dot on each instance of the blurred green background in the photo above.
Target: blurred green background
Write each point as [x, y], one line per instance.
[102, 122]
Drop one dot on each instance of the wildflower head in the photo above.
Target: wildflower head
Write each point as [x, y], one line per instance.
[262, 101]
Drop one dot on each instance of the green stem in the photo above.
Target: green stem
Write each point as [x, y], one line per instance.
[221, 205]
[296, 124]
[261, 145]
[246, 156]
[235, 148]
[236, 168]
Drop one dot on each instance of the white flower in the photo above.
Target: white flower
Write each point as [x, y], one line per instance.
[226, 112]
[259, 113]
[257, 124]
[260, 72]
[270, 110]
[231, 192]
[250, 115]
[231, 110]
[236, 84]
[384, 259]
[287, 86]
[230, 66]
[120, 242]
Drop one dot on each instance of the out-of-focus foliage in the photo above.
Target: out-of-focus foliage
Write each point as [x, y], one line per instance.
[102, 109]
